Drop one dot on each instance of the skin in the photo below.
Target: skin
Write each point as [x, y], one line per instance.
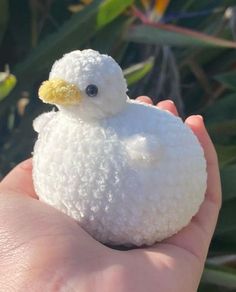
[42, 249]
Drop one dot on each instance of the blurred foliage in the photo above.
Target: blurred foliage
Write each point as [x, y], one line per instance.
[4, 15]
[7, 83]
[179, 49]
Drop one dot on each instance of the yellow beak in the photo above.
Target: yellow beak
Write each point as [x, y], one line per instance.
[60, 92]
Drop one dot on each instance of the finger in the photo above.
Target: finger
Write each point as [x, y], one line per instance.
[195, 238]
[145, 99]
[169, 106]
[213, 184]
[19, 180]
[208, 214]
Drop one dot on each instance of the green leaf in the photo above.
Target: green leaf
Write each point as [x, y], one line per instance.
[222, 110]
[219, 276]
[136, 72]
[73, 34]
[228, 178]
[166, 34]
[226, 154]
[109, 39]
[223, 128]
[222, 245]
[110, 9]
[7, 83]
[4, 16]
[225, 233]
[228, 79]
[206, 287]
[226, 226]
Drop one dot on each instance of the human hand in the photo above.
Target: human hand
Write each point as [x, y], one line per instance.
[41, 249]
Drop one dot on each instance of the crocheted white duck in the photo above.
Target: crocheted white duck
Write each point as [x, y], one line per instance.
[129, 173]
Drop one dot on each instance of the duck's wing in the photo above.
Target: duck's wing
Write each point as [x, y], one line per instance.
[144, 149]
[42, 120]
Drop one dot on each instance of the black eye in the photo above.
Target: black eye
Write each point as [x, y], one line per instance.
[91, 90]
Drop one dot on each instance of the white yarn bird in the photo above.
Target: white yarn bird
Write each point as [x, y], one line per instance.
[129, 173]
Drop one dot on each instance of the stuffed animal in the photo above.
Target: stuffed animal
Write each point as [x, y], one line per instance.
[129, 173]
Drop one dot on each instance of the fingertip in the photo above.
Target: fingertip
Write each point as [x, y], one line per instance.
[195, 120]
[196, 124]
[169, 106]
[145, 99]
[166, 101]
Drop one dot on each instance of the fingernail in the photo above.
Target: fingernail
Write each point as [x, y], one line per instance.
[199, 117]
[191, 119]
[164, 101]
[145, 99]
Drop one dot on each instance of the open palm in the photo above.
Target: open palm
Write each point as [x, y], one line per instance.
[42, 249]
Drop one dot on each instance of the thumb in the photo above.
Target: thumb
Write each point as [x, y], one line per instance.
[19, 180]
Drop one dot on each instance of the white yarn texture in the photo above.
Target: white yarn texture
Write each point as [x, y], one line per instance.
[131, 177]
